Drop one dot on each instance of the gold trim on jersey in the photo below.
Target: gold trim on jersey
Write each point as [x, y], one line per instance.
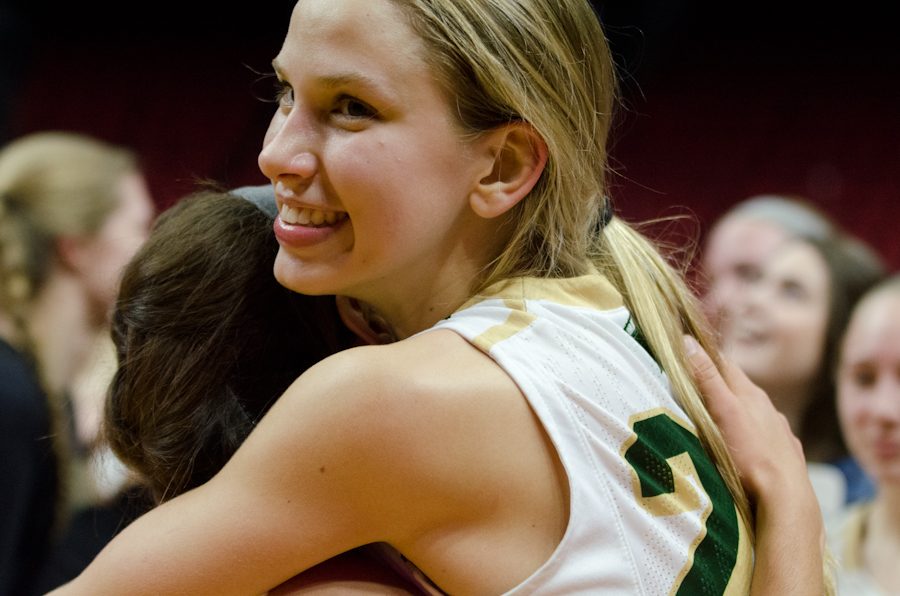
[587, 291]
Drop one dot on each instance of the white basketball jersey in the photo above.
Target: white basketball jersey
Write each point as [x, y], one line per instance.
[649, 513]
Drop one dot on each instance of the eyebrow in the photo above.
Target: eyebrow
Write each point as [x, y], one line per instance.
[340, 80]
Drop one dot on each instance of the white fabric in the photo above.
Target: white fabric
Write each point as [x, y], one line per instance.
[587, 379]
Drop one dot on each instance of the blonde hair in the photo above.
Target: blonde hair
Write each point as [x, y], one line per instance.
[52, 184]
[548, 64]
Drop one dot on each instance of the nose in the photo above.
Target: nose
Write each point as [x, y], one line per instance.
[289, 147]
[749, 296]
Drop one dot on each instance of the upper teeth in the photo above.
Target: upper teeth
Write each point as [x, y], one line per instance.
[305, 217]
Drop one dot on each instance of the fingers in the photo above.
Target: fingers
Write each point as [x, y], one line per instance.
[737, 379]
[729, 393]
[727, 382]
[714, 387]
[704, 369]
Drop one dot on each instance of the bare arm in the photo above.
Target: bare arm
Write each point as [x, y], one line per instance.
[373, 444]
[790, 534]
[311, 481]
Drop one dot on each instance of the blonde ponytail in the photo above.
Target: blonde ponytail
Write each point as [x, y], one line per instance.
[665, 309]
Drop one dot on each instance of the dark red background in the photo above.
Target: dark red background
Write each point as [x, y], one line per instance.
[721, 101]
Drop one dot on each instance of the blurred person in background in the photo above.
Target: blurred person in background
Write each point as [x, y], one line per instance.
[73, 210]
[783, 330]
[743, 239]
[866, 536]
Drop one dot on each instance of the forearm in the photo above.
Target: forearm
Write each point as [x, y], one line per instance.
[790, 540]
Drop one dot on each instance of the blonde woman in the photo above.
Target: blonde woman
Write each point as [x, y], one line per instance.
[535, 427]
[72, 212]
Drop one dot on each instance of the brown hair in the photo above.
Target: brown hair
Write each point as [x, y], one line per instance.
[206, 341]
[853, 269]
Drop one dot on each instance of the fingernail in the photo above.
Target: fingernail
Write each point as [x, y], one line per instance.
[690, 345]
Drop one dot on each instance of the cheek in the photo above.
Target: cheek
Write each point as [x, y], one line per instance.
[112, 257]
[372, 181]
[803, 330]
[853, 411]
[357, 165]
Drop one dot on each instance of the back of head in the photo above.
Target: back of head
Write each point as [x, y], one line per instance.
[52, 184]
[206, 340]
[546, 64]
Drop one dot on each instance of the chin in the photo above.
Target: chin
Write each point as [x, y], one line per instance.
[302, 278]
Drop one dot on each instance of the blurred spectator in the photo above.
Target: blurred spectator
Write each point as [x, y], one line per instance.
[73, 210]
[866, 537]
[742, 239]
[783, 329]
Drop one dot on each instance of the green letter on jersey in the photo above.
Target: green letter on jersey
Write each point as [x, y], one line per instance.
[660, 438]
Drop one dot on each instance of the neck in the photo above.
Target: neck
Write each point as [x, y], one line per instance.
[886, 511]
[434, 289]
[881, 547]
[61, 328]
[405, 314]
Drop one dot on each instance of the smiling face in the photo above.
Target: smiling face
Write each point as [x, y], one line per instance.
[735, 253]
[371, 173]
[776, 333]
[869, 386]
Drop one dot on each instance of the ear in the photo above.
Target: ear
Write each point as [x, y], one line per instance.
[519, 158]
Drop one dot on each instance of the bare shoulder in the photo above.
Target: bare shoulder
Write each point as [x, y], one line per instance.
[392, 444]
[393, 416]
[405, 399]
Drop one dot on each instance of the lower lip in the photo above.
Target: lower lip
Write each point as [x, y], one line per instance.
[302, 236]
